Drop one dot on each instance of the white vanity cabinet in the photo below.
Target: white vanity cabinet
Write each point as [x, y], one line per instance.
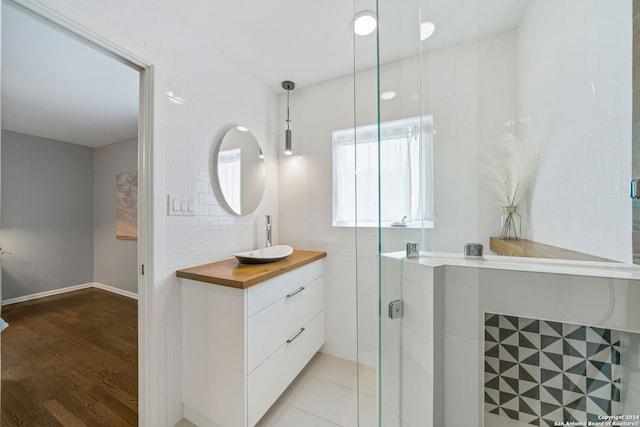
[242, 347]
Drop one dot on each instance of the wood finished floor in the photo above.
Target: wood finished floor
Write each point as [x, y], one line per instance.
[70, 360]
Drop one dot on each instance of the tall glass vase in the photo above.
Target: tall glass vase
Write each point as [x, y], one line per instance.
[510, 223]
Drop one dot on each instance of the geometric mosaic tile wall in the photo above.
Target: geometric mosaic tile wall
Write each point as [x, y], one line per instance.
[539, 372]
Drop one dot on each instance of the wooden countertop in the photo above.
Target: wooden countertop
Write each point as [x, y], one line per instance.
[230, 272]
[528, 248]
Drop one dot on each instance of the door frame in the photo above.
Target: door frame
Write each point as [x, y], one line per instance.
[150, 373]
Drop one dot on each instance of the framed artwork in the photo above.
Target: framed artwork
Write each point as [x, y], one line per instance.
[127, 206]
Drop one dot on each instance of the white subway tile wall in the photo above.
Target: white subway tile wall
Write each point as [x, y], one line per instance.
[574, 96]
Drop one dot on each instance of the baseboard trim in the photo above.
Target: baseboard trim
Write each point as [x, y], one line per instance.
[118, 291]
[71, 289]
[197, 418]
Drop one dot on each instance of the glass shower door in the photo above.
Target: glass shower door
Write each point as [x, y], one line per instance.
[405, 209]
[384, 142]
[553, 73]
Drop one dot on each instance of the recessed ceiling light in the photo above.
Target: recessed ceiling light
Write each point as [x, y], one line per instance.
[242, 129]
[364, 23]
[427, 28]
[385, 96]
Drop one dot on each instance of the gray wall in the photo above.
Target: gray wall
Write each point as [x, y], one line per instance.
[47, 214]
[115, 261]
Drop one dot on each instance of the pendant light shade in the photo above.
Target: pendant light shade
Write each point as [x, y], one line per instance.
[288, 86]
[287, 142]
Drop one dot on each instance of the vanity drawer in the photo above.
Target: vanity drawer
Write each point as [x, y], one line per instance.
[266, 293]
[272, 326]
[270, 379]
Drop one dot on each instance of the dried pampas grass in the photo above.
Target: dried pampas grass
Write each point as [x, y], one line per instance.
[510, 168]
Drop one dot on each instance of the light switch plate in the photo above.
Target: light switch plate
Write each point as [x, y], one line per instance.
[181, 205]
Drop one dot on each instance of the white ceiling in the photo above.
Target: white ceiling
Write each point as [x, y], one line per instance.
[312, 41]
[55, 86]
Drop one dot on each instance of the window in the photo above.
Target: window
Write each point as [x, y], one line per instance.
[406, 180]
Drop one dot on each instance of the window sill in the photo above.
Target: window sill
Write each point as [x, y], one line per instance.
[387, 225]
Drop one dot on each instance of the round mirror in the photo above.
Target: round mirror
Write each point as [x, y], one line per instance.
[239, 171]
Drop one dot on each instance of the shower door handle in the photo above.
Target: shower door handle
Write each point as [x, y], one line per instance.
[633, 191]
[396, 309]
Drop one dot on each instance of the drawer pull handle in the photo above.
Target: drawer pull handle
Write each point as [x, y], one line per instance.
[290, 340]
[297, 291]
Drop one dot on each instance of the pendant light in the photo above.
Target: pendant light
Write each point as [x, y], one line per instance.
[288, 86]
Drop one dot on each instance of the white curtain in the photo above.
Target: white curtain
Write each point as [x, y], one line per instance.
[400, 167]
[230, 175]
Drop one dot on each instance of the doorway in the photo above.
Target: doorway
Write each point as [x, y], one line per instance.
[142, 131]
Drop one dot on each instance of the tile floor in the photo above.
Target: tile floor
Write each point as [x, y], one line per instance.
[324, 395]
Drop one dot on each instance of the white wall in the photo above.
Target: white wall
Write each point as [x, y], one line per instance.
[470, 90]
[115, 262]
[217, 94]
[305, 201]
[574, 95]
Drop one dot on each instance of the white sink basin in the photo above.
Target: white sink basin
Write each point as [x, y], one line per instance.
[265, 255]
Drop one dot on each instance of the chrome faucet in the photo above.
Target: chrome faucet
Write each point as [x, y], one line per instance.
[268, 230]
